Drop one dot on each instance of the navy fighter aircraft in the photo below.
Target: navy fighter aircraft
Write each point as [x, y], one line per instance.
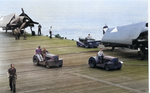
[133, 36]
[12, 21]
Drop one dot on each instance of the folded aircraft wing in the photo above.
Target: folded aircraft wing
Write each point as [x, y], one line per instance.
[31, 21]
[123, 34]
[6, 20]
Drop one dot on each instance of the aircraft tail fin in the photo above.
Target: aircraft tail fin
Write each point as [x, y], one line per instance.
[105, 29]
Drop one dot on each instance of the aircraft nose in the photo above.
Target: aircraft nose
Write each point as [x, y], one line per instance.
[27, 20]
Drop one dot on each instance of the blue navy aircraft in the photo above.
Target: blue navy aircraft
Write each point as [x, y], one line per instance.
[12, 21]
[133, 36]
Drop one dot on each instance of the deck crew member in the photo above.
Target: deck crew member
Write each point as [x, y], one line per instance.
[44, 52]
[12, 77]
[39, 30]
[50, 32]
[16, 33]
[38, 53]
[88, 37]
[24, 34]
[18, 29]
[100, 55]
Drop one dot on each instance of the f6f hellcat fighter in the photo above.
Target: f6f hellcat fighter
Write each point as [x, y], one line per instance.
[133, 36]
[12, 21]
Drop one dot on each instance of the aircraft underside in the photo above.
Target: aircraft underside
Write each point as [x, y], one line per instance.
[142, 46]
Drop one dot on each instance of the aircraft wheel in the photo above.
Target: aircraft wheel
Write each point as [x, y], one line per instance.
[47, 66]
[92, 62]
[140, 55]
[107, 67]
[112, 48]
[35, 61]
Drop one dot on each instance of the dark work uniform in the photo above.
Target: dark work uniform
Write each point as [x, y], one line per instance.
[50, 32]
[39, 30]
[12, 78]
[18, 31]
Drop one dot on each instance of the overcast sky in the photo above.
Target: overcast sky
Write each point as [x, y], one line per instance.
[79, 14]
[75, 8]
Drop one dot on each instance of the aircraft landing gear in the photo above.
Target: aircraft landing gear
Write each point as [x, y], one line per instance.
[140, 55]
[6, 30]
[112, 48]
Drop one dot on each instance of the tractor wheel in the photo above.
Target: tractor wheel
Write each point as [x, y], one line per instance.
[92, 62]
[107, 67]
[60, 65]
[47, 66]
[35, 61]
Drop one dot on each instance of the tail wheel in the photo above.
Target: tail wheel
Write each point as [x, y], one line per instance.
[92, 62]
[35, 61]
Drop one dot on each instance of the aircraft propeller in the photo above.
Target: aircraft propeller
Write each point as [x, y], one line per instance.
[22, 10]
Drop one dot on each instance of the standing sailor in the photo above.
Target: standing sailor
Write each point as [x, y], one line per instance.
[12, 78]
[18, 34]
[24, 34]
[15, 33]
[50, 32]
[39, 30]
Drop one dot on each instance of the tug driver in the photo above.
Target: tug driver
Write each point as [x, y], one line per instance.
[88, 37]
[38, 53]
[100, 55]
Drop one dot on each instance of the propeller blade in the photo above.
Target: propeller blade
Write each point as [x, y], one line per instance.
[22, 25]
[22, 10]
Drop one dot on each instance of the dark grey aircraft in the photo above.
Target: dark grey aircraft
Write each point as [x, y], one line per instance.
[12, 21]
[133, 36]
